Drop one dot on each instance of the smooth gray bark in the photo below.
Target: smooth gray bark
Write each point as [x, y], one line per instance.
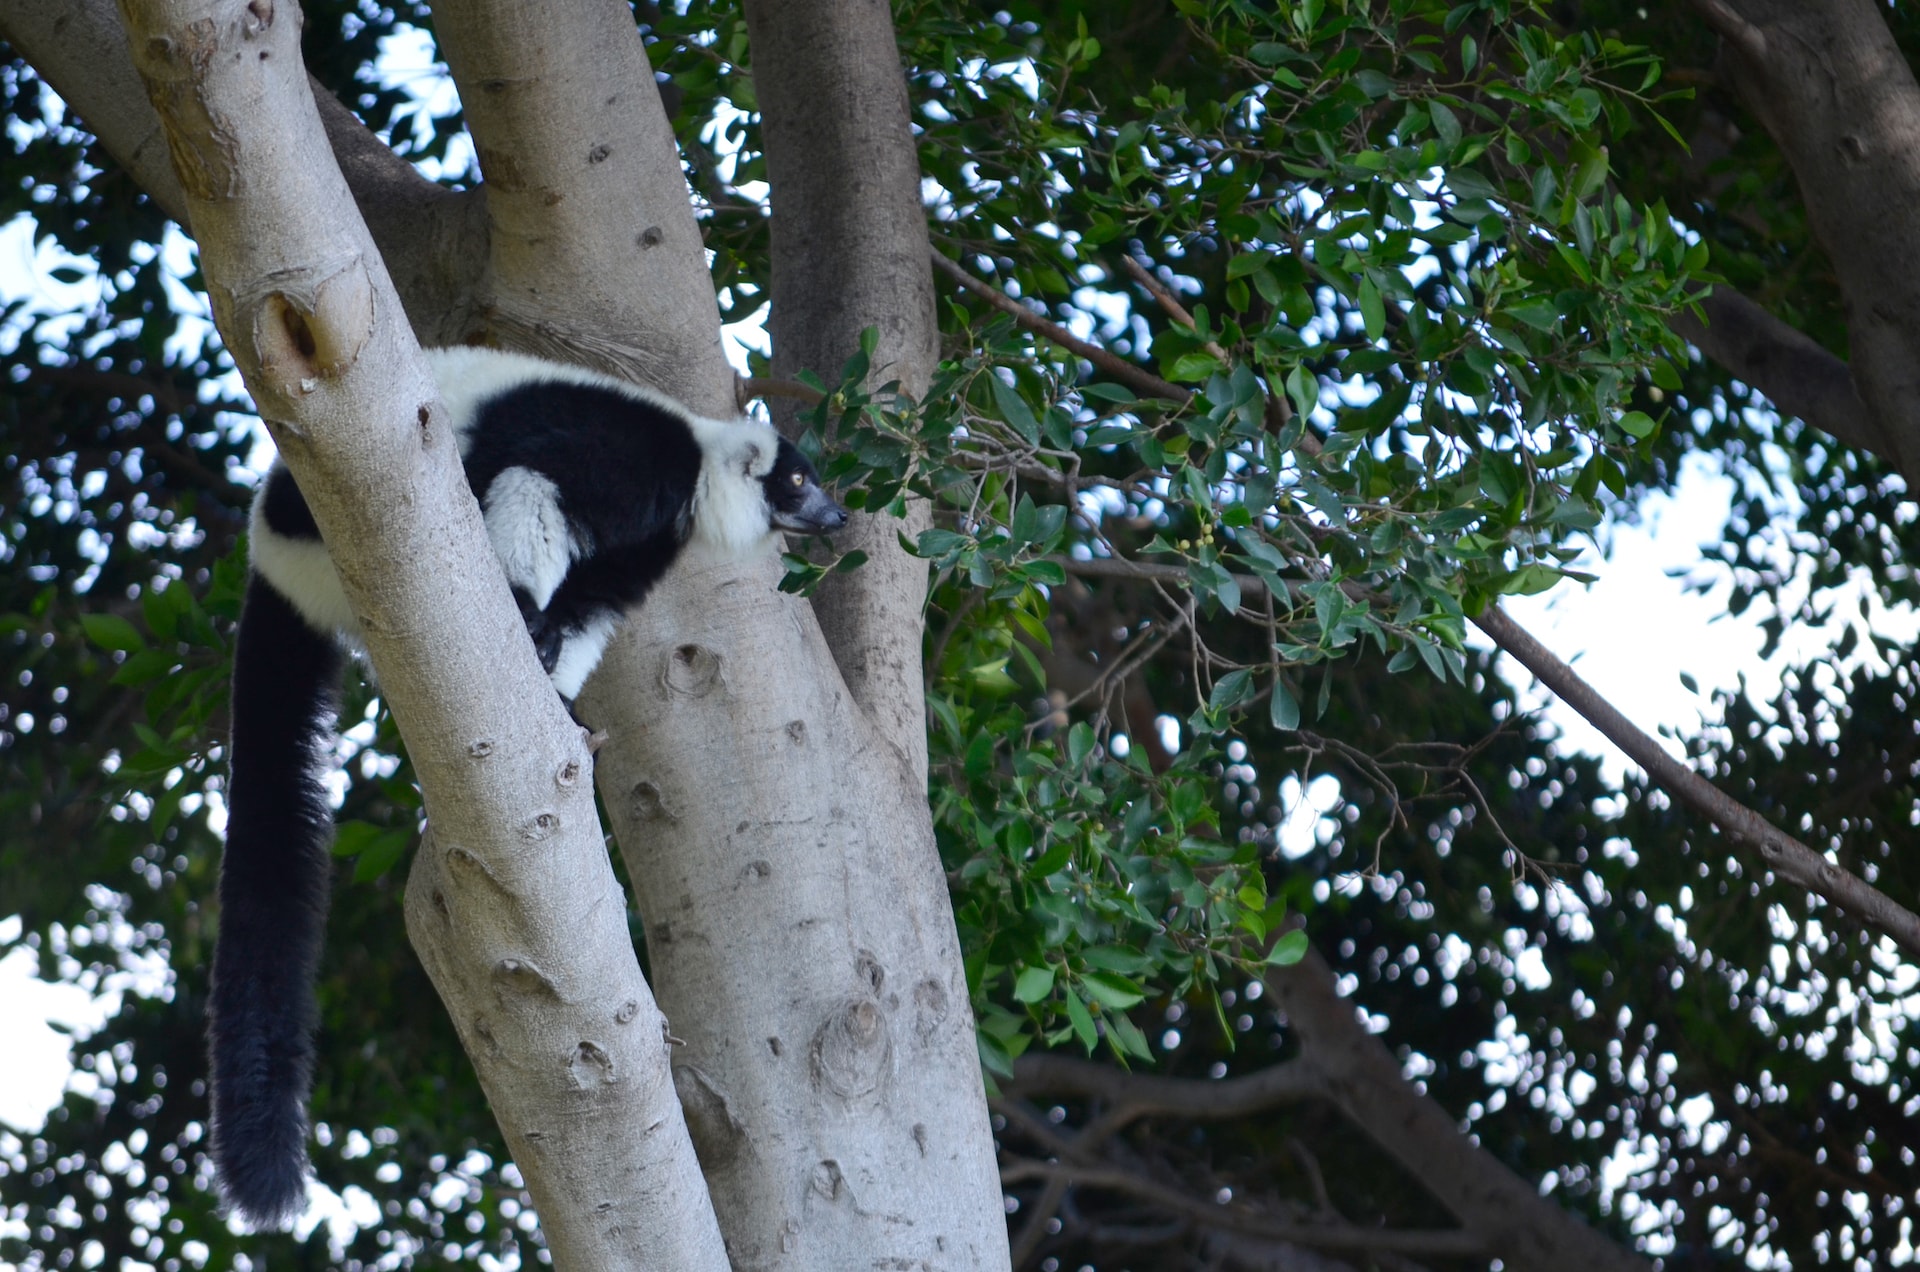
[801, 940]
[1828, 82]
[512, 902]
[79, 47]
[849, 252]
[594, 255]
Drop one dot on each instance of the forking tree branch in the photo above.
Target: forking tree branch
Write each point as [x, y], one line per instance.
[1787, 366]
[839, 894]
[521, 945]
[1834, 90]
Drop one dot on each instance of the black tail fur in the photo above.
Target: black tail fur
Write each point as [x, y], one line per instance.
[273, 906]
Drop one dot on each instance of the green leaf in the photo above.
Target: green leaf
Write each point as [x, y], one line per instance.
[380, 856]
[1246, 263]
[1112, 990]
[1539, 314]
[144, 667]
[934, 544]
[1033, 984]
[1108, 393]
[351, 838]
[1082, 1021]
[1530, 580]
[110, 631]
[1014, 410]
[992, 676]
[1230, 689]
[1113, 958]
[1026, 521]
[1127, 1035]
[1638, 425]
[1193, 367]
[1289, 949]
[1446, 124]
[1052, 861]
[1080, 743]
[1283, 709]
[1373, 310]
[994, 1056]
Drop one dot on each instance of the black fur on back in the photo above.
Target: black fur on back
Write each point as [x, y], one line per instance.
[626, 470]
[285, 508]
[273, 905]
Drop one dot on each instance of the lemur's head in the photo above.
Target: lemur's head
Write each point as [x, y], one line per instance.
[794, 497]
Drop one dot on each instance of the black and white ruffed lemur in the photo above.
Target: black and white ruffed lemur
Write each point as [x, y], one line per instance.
[590, 488]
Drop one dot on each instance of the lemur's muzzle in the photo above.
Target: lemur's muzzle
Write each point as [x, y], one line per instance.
[817, 514]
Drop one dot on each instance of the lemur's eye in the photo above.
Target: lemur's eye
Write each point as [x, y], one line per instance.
[799, 479]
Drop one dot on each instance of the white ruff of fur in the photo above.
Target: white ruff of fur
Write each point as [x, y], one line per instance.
[580, 654]
[729, 502]
[302, 572]
[529, 532]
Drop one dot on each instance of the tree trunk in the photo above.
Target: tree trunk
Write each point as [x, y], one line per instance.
[512, 903]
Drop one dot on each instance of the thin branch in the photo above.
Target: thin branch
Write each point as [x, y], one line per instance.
[1119, 368]
[1451, 1242]
[1781, 852]
[1144, 571]
[1055, 1075]
[1175, 310]
[1276, 408]
[747, 388]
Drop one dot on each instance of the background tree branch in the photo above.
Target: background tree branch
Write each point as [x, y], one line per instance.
[1794, 372]
[80, 48]
[1828, 82]
[1342, 1064]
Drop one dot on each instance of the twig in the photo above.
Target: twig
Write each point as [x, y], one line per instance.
[1175, 310]
[1781, 852]
[1146, 1095]
[747, 388]
[1276, 408]
[1119, 368]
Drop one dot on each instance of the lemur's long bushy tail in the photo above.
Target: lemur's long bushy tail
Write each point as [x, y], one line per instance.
[273, 906]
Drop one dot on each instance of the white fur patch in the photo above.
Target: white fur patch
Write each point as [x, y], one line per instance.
[301, 571]
[729, 503]
[529, 532]
[580, 654]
